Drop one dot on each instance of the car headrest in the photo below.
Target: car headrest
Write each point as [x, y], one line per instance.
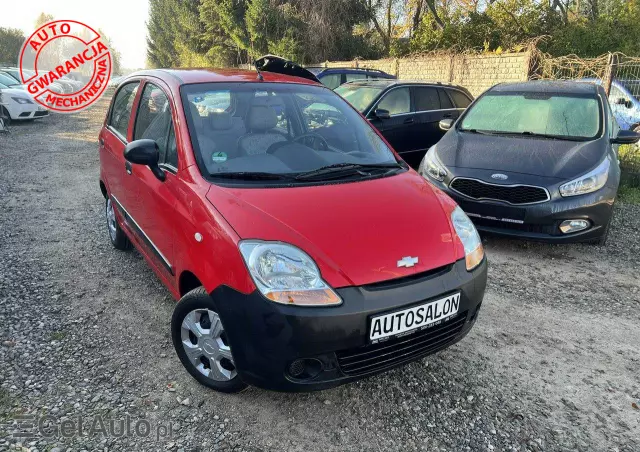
[261, 118]
[195, 115]
[220, 120]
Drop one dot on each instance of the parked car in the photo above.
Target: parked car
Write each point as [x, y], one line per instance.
[10, 82]
[18, 105]
[407, 113]
[303, 252]
[535, 160]
[14, 73]
[114, 81]
[336, 76]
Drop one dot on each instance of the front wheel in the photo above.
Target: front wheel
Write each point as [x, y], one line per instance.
[201, 343]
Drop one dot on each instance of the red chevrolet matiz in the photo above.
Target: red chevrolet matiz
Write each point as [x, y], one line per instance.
[303, 252]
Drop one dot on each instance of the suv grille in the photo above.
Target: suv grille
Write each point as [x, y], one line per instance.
[514, 194]
[394, 351]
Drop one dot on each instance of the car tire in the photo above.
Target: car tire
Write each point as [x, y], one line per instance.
[118, 238]
[6, 117]
[200, 343]
[602, 240]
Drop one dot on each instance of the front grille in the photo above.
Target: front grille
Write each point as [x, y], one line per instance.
[513, 194]
[373, 357]
[41, 113]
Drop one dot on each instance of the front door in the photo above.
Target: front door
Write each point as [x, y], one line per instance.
[397, 102]
[152, 202]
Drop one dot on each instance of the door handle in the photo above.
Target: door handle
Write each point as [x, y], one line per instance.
[127, 167]
[409, 121]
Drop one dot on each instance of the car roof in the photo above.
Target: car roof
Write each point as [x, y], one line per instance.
[547, 86]
[393, 82]
[207, 75]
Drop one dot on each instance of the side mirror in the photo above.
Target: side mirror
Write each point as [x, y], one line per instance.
[381, 113]
[445, 124]
[626, 137]
[145, 152]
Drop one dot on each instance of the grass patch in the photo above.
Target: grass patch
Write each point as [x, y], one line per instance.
[58, 335]
[629, 155]
[630, 195]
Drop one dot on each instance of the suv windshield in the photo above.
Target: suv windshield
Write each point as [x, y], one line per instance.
[258, 130]
[539, 114]
[358, 95]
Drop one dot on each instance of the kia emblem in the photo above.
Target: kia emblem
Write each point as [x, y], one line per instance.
[499, 176]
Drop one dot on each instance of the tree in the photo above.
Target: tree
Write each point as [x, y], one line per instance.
[11, 40]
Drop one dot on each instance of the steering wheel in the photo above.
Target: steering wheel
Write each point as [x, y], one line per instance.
[305, 138]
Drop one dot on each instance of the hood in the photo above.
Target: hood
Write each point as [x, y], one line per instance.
[16, 91]
[356, 232]
[561, 159]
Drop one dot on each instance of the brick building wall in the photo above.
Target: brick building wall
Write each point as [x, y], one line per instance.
[474, 72]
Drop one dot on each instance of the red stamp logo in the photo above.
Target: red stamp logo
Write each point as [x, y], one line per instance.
[65, 65]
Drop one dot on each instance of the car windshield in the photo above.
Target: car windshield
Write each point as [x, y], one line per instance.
[278, 129]
[542, 114]
[7, 80]
[13, 73]
[360, 96]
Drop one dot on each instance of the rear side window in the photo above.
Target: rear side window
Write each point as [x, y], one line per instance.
[153, 121]
[332, 81]
[121, 110]
[426, 99]
[445, 102]
[460, 99]
[397, 101]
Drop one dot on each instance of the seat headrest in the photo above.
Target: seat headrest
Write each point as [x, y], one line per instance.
[261, 118]
[220, 120]
[195, 115]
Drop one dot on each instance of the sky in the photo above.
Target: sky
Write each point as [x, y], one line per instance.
[124, 21]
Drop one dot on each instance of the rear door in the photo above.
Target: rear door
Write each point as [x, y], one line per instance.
[425, 132]
[397, 101]
[113, 139]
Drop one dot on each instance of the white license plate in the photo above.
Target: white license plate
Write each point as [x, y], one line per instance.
[411, 319]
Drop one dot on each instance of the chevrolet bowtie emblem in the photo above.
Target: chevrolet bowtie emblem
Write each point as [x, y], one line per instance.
[407, 261]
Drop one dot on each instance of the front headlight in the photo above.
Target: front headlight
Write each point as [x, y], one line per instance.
[590, 182]
[22, 100]
[285, 274]
[432, 167]
[473, 250]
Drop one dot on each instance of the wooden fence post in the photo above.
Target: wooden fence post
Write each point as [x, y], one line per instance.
[610, 72]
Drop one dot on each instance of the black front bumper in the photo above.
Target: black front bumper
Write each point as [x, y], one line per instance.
[266, 337]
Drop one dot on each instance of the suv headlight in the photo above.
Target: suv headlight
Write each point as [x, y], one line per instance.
[431, 166]
[590, 182]
[22, 100]
[286, 274]
[473, 250]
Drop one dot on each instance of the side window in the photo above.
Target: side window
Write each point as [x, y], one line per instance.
[397, 101]
[153, 121]
[426, 99]
[615, 94]
[614, 128]
[121, 110]
[460, 99]
[445, 102]
[332, 81]
[352, 77]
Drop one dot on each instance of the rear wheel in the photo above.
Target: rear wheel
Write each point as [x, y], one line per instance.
[119, 240]
[4, 116]
[201, 343]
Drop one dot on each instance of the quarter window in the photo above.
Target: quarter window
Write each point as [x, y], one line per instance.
[332, 81]
[397, 101]
[154, 122]
[122, 105]
[445, 102]
[460, 99]
[426, 99]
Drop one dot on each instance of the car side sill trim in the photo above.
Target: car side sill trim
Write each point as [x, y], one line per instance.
[144, 236]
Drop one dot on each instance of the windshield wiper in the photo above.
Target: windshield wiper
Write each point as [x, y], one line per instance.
[481, 132]
[527, 133]
[358, 168]
[253, 175]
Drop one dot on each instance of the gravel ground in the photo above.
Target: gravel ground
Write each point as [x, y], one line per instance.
[552, 363]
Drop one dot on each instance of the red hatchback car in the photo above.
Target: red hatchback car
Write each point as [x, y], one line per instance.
[303, 252]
